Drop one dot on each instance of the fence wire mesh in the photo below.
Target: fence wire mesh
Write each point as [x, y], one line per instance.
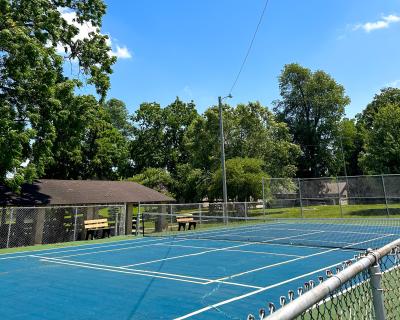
[25, 226]
[358, 196]
[361, 288]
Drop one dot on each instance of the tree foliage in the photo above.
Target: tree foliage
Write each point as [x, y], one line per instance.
[155, 178]
[243, 180]
[382, 144]
[250, 130]
[312, 104]
[159, 134]
[31, 76]
[387, 96]
[87, 145]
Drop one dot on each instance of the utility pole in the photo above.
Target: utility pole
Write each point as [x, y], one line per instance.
[221, 133]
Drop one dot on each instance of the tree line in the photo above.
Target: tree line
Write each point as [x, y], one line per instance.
[47, 130]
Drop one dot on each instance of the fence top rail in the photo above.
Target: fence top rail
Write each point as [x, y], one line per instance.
[315, 295]
[335, 178]
[268, 218]
[260, 202]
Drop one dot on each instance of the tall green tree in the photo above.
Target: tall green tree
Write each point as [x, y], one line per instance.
[155, 178]
[86, 144]
[387, 96]
[159, 134]
[190, 184]
[147, 148]
[243, 180]
[31, 72]
[118, 116]
[250, 130]
[312, 104]
[177, 118]
[351, 144]
[382, 143]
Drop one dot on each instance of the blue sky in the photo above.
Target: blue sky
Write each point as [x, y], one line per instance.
[193, 49]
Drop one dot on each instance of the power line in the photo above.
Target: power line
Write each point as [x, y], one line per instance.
[250, 46]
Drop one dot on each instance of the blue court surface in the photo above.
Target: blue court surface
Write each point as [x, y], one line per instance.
[169, 277]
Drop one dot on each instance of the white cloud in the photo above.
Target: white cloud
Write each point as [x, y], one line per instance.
[384, 23]
[121, 53]
[84, 33]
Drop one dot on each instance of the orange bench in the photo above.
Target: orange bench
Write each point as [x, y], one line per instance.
[91, 226]
[182, 221]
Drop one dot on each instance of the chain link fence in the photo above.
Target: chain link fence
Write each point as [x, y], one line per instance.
[366, 287]
[358, 196]
[26, 226]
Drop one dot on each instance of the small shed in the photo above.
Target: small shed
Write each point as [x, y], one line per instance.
[36, 205]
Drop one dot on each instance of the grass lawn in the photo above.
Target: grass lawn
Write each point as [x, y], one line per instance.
[332, 211]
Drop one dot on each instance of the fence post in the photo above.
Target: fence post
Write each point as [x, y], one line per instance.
[340, 201]
[9, 227]
[377, 291]
[245, 211]
[199, 213]
[116, 217]
[263, 195]
[300, 197]
[138, 221]
[384, 191]
[170, 213]
[75, 221]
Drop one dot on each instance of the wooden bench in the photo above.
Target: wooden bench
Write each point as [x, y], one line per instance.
[91, 226]
[186, 219]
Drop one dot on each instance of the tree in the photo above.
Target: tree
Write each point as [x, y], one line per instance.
[255, 133]
[190, 185]
[387, 96]
[243, 180]
[147, 148]
[31, 72]
[351, 147]
[250, 130]
[312, 104]
[159, 134]
[118, 116]
[86, 144]
[177, 118]
[155, 178]
[382, 144]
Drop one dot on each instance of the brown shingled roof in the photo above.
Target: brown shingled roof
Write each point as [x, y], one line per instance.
[79, 192]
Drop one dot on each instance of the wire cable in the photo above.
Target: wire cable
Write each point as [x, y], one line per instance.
[250, 46]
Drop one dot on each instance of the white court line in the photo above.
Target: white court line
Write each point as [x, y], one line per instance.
[120, 249]
[301, 258]
[187, 255]
[216, 305]
[106, 268]
[87, 246]
[145, 273]
[275, 265]
[234, 250]
[207, 251]
[219, 229]
[260, 243]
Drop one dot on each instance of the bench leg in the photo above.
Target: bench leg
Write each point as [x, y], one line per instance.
[90, 233]
[106, 232]
[192, 224]
[180, 225]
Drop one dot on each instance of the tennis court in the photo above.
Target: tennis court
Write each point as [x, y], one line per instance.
[219, 273]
